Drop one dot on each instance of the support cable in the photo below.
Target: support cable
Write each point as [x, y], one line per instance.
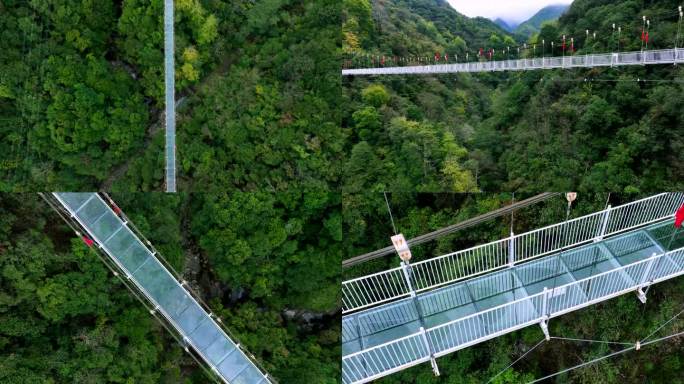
[661, 326]
[450, 229]
[591, 341]
[633, 347]
[516, 360]
[390, 213]
[679, 27]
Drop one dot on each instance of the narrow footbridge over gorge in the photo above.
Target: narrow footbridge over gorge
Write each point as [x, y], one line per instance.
[417, 312]
[662, 56]
[104, 227]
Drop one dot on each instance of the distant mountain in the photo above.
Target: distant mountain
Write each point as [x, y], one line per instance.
[507, 25]
[533, 24]
[420, 27]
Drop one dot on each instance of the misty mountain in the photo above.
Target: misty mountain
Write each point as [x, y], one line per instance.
[509, 26]
[533, 24]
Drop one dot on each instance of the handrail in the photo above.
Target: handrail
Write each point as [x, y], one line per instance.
[656, 56]
[446, 336]
[380, 287]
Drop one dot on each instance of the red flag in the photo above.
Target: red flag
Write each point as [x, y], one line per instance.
[643, 35]
[647, 37]
[481, 52]
[437, 56]
[88, 241]
[679, 217]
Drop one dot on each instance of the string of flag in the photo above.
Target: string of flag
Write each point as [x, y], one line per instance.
[567, 45]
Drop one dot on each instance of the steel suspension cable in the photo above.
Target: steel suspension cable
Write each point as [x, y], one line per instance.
[516, 360]
[679, 26]
[389, 210]
[661, 326]
[590, 341]
[450, 229]
[633, 347]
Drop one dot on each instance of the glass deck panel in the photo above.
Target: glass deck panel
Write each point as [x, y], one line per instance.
[218, 350]
[92, 211]
[176, 301]
[588, 261]
[232, 365]
[394, 314]
[155, 279]
[191, 318]
[75, 199]
[106, 226]
[666, 236]
[206, 333]
[249, 376]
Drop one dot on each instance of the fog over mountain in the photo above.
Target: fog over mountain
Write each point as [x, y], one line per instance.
[512, 13]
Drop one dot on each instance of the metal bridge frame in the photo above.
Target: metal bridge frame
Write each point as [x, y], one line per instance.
[662, 56]
[146, 297]
[170, 97]
[427, 344]
[385, 286]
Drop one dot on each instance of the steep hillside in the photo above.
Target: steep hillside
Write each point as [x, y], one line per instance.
[412, 27]
[592, 130]
[534, 23]
[508, 26]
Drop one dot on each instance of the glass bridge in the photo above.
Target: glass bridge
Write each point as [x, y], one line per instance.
[169, 297]
[614, 59]
[383, 339]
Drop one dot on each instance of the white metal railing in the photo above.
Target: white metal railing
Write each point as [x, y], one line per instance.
[478, 327]
[366, 291]
[373, 289]
[383, 359]
[662, 56]
[237, 356]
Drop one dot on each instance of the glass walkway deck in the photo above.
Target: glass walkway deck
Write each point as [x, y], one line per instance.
[169, 297]
[614, 59]
[389, 337]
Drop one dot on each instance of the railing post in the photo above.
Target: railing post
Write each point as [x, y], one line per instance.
[433, 361]
[648, 270]
[604, 225]
[641, 295]
[511, 250]
[407, 276]
[544, 323]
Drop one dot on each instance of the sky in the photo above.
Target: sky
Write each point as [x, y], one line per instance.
[509, 10]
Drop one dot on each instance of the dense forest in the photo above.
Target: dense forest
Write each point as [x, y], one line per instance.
[418, 137]
[617, 129]
[270, 273]
[623, 319]
[81, 94]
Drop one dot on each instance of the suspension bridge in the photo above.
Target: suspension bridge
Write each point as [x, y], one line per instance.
[170, 98]
[617, 59]
[420, 311]
[104, 227]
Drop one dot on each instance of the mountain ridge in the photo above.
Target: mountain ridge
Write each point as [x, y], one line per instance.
[533, 25]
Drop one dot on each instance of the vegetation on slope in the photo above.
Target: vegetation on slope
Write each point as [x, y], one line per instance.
[81, 94]
[533, 25]
[65, 318]
[597, 129]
